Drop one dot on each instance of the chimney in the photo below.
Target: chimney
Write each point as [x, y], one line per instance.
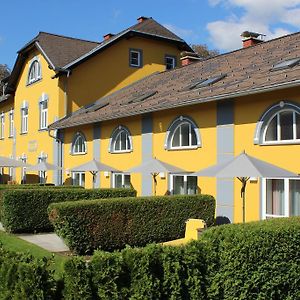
[108, 36]
[188, 58]
[251, 38]
[142, 19]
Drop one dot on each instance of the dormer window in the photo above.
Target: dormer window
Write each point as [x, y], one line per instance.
[170, 62]
[135, 58]
[34, 73]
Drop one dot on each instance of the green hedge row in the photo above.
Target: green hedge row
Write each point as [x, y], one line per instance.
[25, 210]
[154, 272]
[260, 260]
[25, 277]
[114, 223]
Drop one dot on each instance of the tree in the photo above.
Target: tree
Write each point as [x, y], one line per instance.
[203, 51]
[4, 72]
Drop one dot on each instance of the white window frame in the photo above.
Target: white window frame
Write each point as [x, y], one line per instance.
[42, 174]
[185, 176]
[173, 58]
[279, 140]
[43, 112]
[81, 180]
[23, 158]
[123, 178]
[24, 118]
[74, 144]
[116, 133]
[286, 198]
[139, 59]
[2, 125]
[191, 129]
[11, 124]
[34, 71]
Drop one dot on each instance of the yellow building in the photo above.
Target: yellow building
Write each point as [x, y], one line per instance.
[56, 75]
[195, 116]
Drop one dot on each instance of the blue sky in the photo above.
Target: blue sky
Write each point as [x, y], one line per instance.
[217, 23]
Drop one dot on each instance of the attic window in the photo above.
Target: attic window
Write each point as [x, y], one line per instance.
[96, 106]
[204, 82]
[141, 97]
[290, 63]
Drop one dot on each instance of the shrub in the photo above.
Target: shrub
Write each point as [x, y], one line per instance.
[25, 210]
[153, 272]
[259, 260]
[111, 224]
[24, 277]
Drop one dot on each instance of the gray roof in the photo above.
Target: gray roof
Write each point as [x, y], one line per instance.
[9, 162]
[242, 72]
[44, 166]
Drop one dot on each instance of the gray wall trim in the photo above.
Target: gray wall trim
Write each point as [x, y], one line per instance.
[96, 148]
[225, 151]
[58, 156]
[147, 144]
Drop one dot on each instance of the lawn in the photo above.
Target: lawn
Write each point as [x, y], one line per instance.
[13, 243]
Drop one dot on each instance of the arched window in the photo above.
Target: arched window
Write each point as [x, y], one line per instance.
[279, 124]
[35, 72]
[79, 144]
[183, 133]
[120, 140]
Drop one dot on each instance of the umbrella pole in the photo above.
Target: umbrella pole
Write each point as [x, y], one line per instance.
[243, 180]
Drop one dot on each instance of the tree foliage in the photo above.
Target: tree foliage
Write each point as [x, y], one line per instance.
[4, 72]
[203, 51]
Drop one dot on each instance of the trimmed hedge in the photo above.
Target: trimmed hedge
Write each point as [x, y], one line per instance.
[154, 272]
[25, 277]
[25, 210]
[114, 223]
[259, 260]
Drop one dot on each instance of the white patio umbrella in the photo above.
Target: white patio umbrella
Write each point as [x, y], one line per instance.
[94, 166]
[44, 167]
[155, 166]
[11, 163]
[243, 167]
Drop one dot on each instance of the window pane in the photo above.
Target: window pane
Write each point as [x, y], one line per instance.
[185, 131]
[275, 197]
[298, 125]
[294, 197]
[271, 134]
[191, 185]
[123, 140]
[194, 137]
[175, 141]
[127, 181]
[286, 125]
[178, 185]
[118, 143]
[118, 180]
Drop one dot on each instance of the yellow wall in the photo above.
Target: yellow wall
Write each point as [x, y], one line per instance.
[35, 141]
[248, 111]
[109, 70]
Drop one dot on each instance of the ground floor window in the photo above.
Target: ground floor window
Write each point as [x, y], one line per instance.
[42, 174]
[78, 178]
[281, 198]
[121, 180]
[181, 184]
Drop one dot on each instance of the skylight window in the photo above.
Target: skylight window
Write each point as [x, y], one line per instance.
[96, 106]
[204, 82]
[290, 63]
[141, 97]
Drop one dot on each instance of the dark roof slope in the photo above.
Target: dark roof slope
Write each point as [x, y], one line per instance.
[247, 71]
[147, 28]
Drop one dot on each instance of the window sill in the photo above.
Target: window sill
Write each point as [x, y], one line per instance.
[10, 136]
[280, 143]
[135, 66]
[184, 148]
[23, 133]
[1, 138]
[43, 129]
[75, 154]
[121, 152]
[33, 82]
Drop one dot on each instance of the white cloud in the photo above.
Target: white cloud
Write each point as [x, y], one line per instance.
[257, 15]
[181, 32]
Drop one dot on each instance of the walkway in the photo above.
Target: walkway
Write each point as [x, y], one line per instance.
[48, 241]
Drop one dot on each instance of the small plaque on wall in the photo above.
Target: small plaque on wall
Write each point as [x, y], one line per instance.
[32, 146]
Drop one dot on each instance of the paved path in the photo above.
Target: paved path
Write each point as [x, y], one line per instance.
[48, 241]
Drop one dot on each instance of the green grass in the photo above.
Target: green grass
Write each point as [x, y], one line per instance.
[13, 243]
